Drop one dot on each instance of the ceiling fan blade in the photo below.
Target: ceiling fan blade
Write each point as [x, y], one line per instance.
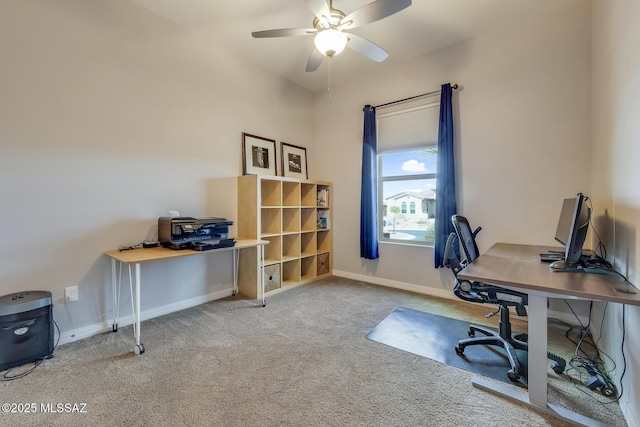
[366, 48]
[373, 12]
[319, 8]
[314, 61]
[284, 32]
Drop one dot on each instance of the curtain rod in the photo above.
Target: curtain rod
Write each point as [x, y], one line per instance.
[453, 86]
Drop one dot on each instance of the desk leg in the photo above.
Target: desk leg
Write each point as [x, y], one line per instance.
[537, 353]
[139, 349]
[116, 296]
[261, 273]
[235, 272]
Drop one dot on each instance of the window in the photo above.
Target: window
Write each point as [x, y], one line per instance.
[407, 161]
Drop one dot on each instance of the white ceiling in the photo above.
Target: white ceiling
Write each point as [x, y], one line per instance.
[425, 26]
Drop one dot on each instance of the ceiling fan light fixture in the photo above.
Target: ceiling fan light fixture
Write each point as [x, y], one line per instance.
[330, 42]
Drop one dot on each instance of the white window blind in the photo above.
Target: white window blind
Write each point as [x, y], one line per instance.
[408, 129]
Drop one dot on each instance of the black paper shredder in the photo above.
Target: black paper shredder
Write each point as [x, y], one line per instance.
[26, 328]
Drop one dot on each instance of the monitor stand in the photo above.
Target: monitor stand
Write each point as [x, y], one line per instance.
[564, 266]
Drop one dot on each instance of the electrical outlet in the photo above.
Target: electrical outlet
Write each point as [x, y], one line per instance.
[71, 293]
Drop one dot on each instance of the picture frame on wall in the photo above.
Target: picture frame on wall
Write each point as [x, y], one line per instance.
[294, 161]
[258, 155]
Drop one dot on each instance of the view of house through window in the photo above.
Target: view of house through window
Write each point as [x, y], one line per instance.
[407, 161]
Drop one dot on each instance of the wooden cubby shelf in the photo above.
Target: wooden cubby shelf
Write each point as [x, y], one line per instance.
[295, 217]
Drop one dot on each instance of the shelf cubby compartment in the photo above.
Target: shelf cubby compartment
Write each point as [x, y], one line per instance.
[308, 268]
[308, 243]
[323, 218]
[324, 241]
[290, 193]
[271, 221]
[308, 219]
[271, 277]
[290, 246]
[291, 272]
[308, 194]
[322, 196]
[271, 192]
[323, 264]
[273, 251]
[290, 220]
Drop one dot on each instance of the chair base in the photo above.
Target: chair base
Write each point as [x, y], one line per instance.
[509, 342]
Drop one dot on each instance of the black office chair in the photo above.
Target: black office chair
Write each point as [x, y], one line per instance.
[489, 294]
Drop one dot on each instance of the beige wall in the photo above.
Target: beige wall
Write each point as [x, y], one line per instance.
[522, 138]
[615, 174]
[110, 116]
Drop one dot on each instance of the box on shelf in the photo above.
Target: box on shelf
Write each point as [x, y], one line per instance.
[271, 277]
[323, 264]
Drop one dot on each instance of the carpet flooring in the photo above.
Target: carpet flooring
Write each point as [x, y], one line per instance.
[303, 360]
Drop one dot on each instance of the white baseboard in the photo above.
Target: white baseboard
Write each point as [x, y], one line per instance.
[106, 326]
[441, 293]
[630, 415]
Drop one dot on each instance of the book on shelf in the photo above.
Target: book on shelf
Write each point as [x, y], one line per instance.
[323, 220]
[323, 197]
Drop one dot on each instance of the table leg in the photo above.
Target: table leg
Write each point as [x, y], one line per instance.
[139, 348]
[116, 299]
[537, 353]
[235, 272]
[261, 272]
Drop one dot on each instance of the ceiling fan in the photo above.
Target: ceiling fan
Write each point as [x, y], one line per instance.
[330, 27]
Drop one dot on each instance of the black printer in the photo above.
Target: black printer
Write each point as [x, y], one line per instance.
[194, 233]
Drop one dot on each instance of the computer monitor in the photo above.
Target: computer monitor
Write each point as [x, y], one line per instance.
[575, 234]
[564, 221]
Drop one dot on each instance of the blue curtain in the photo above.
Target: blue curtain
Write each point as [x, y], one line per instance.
[369, 192]
[445, 181]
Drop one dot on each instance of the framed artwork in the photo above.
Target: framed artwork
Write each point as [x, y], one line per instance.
[294, 161]
[258, 155]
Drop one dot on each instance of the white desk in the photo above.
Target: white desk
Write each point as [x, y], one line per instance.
[136, 257]
[518, 267]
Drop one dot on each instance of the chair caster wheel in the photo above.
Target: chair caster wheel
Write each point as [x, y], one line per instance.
[471, 333]
[513, 376]
[139, 349]
[557, 368]
[459, 350]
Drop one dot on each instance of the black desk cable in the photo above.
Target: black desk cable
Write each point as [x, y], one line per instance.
[593, 363]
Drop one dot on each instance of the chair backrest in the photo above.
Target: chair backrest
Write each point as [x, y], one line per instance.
[467, 237]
